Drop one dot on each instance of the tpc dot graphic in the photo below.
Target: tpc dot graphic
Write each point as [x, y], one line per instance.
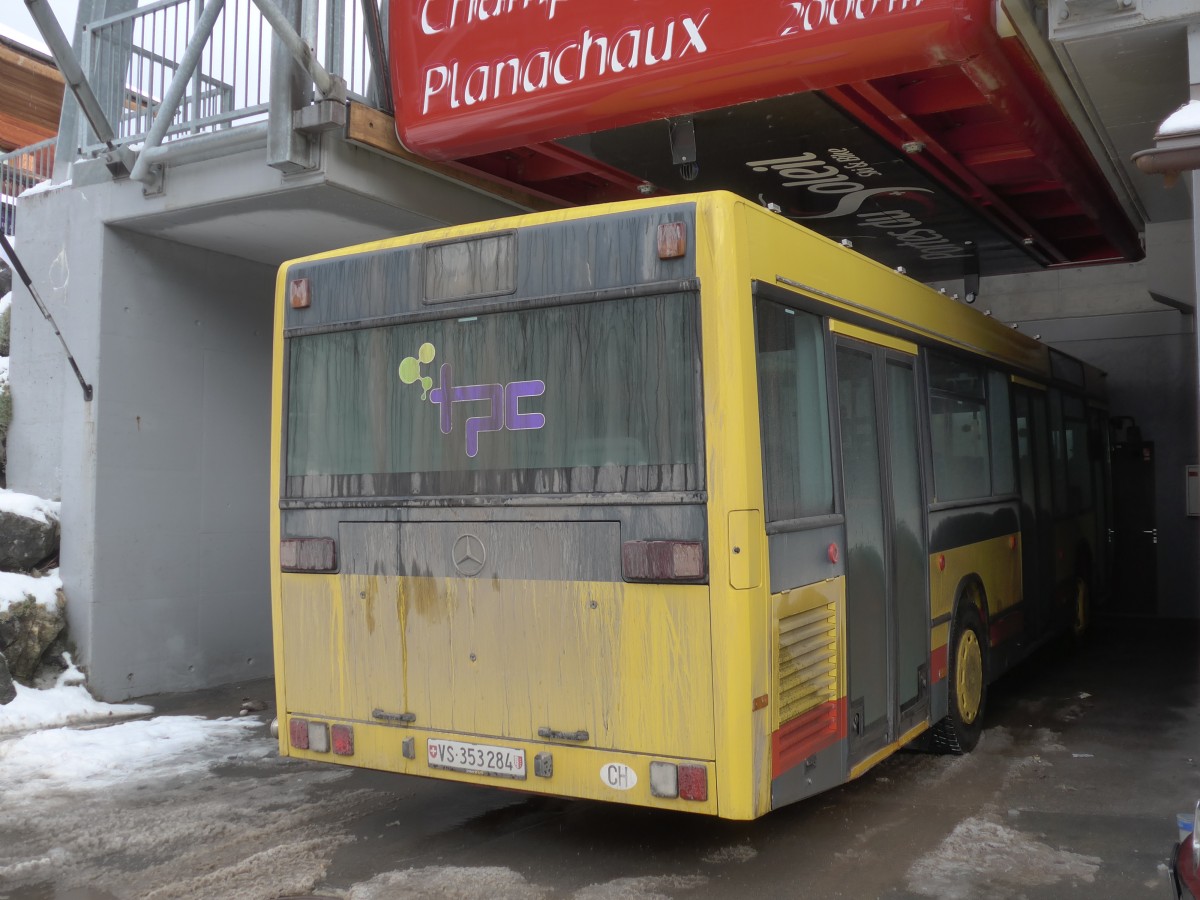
[410, 368]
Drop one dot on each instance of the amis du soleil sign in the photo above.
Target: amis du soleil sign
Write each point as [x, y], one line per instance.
[476, 76]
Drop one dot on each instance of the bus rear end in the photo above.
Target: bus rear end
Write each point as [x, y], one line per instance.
[491, 540]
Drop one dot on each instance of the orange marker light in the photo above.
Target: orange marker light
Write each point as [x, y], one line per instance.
[300, 293]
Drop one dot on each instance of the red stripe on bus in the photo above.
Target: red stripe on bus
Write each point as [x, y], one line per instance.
[807, 735]
[937, 664]
[1006, 626]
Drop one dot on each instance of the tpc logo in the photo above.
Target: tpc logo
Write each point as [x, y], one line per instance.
[503, 399]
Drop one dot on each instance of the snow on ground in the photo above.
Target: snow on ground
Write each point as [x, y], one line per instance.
[983, 857]
[40, 765]
[170, 806]
[68, 702]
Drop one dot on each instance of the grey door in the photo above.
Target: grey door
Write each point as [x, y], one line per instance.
[887, 605]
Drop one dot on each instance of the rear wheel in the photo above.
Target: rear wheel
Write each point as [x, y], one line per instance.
[959, 732]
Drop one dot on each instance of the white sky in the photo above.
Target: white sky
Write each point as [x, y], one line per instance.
[15, 17]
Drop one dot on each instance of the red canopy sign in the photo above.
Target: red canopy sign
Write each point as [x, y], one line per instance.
[476, 76]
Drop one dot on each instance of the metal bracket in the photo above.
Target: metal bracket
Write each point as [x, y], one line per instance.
[324, 115]
[553, 735]
[682, 136]
[394, 718]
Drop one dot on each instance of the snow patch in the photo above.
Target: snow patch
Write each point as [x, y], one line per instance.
[1184, 120]
[67, 703]
[28, 505]
[19, 37]
[42, 187]
[87, 761]
[983, 857]
[650, 887]
[449, 883]
[69, 799]
[737, 853]
[16, 588]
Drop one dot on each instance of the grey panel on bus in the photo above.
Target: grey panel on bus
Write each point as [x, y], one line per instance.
[802, 557]
[598, 254]
[818, 773]
[541, 551]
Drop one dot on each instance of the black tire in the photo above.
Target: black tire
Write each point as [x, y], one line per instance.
[959, 732]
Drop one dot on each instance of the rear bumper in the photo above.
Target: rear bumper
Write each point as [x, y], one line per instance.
[574, 771]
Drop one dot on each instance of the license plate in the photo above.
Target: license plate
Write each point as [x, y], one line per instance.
[477, 759]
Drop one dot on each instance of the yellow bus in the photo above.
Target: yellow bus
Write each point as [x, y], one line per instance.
[670, 503]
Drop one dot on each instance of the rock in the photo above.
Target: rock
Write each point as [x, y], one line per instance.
[34, 629]
[25, 542]
[8, 632]
[8, 691]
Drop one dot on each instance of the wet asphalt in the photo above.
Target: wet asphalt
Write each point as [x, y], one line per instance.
[1088, 755]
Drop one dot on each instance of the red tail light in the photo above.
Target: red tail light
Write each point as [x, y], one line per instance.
[307, 555]
[662, 560]
[298, 733]
[343, 740]
[693, 782]
[687, 782]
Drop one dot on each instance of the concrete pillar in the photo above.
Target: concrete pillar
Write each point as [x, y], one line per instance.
[163, 476]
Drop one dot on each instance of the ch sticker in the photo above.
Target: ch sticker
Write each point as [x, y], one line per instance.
[504, 409]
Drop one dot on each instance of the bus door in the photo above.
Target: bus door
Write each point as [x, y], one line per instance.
[1037, 544]
[887, 606]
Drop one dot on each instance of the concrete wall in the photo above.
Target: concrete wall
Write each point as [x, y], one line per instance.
[165, 297]
[181, 589]
[164, 475]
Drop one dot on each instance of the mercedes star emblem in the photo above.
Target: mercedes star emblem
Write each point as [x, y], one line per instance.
[469, 555]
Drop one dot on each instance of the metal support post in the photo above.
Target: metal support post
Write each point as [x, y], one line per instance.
[179, 84]
[379, 61]
[20, 270]
[331, 87]
[72, 73]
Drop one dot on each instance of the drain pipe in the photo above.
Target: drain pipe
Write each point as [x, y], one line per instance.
[20, 269]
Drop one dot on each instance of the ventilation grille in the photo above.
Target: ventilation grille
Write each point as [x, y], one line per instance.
[807, 662]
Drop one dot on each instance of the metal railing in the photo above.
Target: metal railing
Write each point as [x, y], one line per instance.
[131, 58]
[19, 171]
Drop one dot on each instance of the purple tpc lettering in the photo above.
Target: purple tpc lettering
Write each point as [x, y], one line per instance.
[493, 421]
[503, 406]
[514, 419]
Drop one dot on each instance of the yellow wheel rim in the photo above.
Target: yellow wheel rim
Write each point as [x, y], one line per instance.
[969, 676]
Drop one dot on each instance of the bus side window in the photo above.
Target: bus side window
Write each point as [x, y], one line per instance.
[959, 429]
[1004, 478]
[1058, 452]
[1078, 456]
[794, 410]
